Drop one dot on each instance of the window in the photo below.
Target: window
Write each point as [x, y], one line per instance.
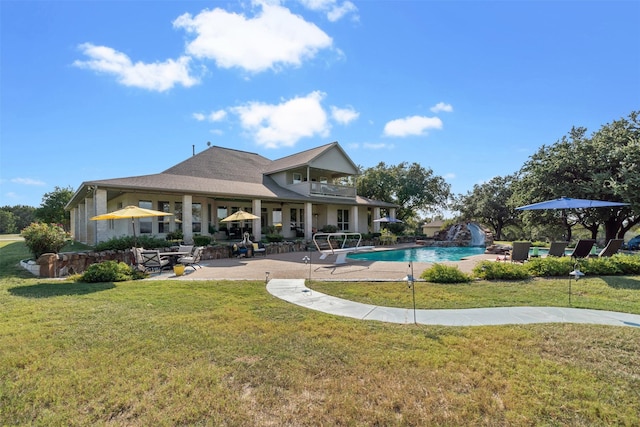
[343, 219]
[297, 219]
[196, 217]
[297, 178]
[276, 216]
[323, 179]
[145, 224]
[163, 221]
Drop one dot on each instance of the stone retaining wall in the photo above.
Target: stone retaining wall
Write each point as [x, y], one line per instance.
[67, 263]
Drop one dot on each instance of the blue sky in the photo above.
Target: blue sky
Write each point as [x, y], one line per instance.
[108, 89]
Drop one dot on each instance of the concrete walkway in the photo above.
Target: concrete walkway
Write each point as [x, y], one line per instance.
[295, 291]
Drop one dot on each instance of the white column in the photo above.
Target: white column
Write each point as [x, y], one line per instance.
[102, 227]
[90, 225]
[257, 223]
[354, 220]
[82, 223]
[308, 220]
[376, 215]
[187, 218]
[73, 223]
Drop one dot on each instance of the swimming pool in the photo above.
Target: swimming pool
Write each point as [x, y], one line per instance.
[422, 254]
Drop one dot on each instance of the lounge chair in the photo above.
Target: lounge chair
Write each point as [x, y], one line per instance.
[612, 248]
[193, 259]
[557, 248]
[520, 251]
[153, 262]
[583, 248]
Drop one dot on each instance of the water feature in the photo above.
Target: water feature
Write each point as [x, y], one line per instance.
[477, 235]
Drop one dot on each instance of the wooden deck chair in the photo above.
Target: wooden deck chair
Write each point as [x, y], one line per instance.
[520, 251]
[583, 248]
[557, 248]
[612, 248]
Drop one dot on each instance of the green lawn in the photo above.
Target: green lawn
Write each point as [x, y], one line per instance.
[167, 353]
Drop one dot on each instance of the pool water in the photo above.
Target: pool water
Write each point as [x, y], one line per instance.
[423, 254]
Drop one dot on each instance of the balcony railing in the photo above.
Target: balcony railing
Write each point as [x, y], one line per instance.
[332, 190]
[323, 189]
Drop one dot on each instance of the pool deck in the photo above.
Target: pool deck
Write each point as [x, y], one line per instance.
[292, 266]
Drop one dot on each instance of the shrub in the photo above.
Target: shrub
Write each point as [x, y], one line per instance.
[175, 235]
[109, 271]
[201, 240]
[274, 238]
[491, 270]
[600, 267]
[329, 228]
[445, 274]
[127, 242]
[550, 266]
[43, 238]
[628, 264]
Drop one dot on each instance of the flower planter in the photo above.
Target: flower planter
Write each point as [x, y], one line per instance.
[178, 269]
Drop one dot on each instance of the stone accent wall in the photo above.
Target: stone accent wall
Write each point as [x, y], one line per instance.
[67, 263]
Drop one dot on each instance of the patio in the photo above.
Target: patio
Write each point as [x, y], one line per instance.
[292, 266]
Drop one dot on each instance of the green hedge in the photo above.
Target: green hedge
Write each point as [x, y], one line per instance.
[445, 274]
[619, 264]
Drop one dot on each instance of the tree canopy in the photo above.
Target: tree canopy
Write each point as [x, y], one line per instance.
[488, 204]
[412, 187]
[605, 166]
[52, 208]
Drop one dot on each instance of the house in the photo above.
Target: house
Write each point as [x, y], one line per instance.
[299, 193]
[431, 228]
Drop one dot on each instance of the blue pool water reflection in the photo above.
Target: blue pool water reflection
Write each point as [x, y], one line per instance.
[422, 254]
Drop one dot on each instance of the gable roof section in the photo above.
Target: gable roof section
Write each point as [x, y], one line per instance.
[307, 158]
[223, 164]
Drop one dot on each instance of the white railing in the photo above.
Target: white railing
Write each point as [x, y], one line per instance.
[338, 245]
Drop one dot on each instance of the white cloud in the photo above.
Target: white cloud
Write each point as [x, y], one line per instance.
[283, 125]
[377, 145]
[450, 175]
[441, 106]
[27, 181]
[157, 76]
[344, 116]
[273, 37]
[334, 10]
[414, 125]
[216, 116]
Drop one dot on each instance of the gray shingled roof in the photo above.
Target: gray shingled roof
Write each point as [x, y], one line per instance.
[224, 172]
[300, 159]
[223, 164]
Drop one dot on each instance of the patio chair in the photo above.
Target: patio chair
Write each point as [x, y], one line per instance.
[520, 251]
[153, 262]
[258, 248]
[193, 259]
[612, 248]
[583, 248]
[136, 254]
[186, 248]
[557, 248]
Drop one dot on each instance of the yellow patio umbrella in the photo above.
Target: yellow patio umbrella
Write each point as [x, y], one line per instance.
[130, 212]
[240, 216]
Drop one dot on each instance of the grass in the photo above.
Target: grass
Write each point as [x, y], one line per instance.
[168, 353]
[615, 293]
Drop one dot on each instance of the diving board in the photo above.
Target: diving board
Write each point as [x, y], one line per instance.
[339, 244]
